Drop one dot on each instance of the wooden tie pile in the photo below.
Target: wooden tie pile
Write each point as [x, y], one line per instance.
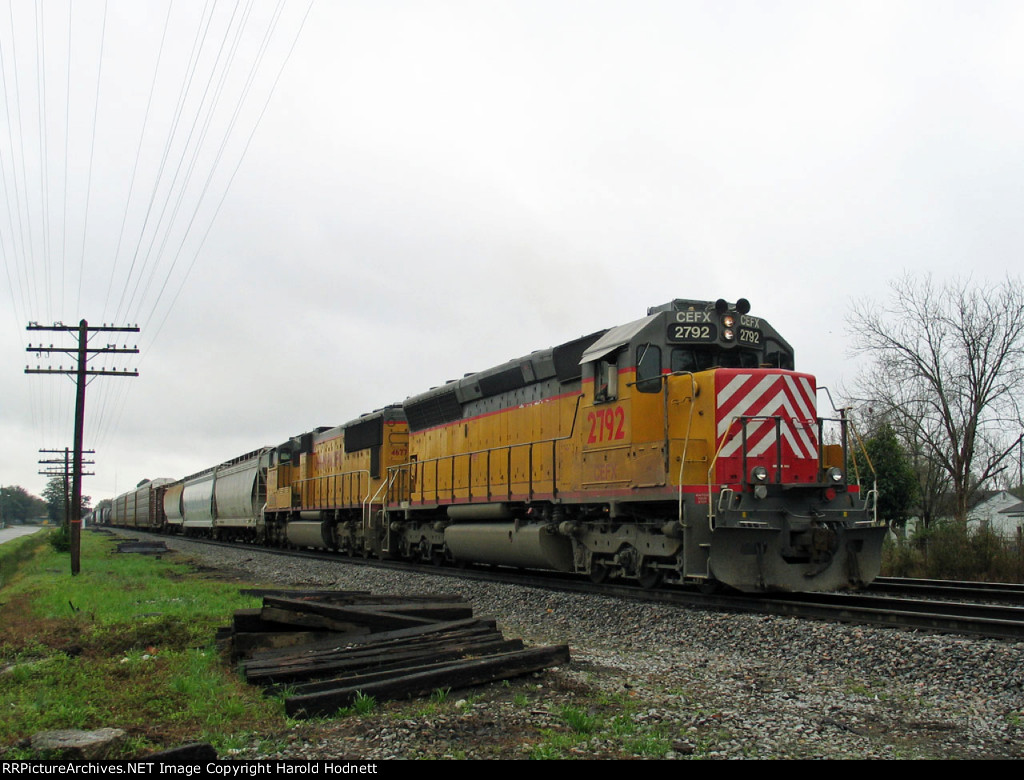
[326, 648]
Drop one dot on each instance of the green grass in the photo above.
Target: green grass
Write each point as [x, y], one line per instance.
[364, 705]
[579, 721]
[127, 643]
[15, 553]
[609, 721]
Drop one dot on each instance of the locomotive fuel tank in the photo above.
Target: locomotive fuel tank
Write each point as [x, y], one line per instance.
[486, 534]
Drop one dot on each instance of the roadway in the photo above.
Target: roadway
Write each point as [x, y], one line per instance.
[15, 531]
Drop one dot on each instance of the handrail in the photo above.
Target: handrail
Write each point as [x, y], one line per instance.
[686, 439]
[711, 468]
[420, 465]
[383, 488]
[874, 474]
[820, 422]
[488, 486]
[317, 502]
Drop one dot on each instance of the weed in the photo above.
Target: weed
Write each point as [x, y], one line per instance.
[363, 704]
[545, 752]
[579, 721]
[951, 550]
[622, 726]
[649, 745]
[554, 746]
[14, 553]
[60, 539]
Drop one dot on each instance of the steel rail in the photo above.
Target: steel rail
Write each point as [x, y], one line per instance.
[1012, 593]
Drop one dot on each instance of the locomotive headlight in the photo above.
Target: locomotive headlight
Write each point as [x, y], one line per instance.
[834, 476]
[728, 320]
[728, 334]
[759, 474]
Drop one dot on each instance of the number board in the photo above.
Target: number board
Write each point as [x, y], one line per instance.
[680, 332]
[749, 337]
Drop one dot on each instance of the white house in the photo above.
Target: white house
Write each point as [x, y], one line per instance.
[1001, 512]
[1012, 520]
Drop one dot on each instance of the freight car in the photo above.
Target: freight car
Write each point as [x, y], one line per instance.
[682, 447]
[225, 501]
[140, 508]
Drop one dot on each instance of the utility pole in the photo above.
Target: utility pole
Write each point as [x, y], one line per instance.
[81, 374]
[54, 469]
[1020, 466]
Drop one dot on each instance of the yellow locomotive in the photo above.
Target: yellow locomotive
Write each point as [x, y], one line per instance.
[326, 488]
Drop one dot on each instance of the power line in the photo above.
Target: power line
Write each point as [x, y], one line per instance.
[217, 59]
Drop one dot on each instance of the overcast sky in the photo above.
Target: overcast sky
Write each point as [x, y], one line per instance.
[388, 195]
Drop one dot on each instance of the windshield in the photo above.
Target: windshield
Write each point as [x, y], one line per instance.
[702, 358]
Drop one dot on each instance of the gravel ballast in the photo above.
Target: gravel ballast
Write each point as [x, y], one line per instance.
[653, 681]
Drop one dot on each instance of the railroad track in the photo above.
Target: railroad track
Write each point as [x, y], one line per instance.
[934, 614]
[1010, 593]
[952, 617]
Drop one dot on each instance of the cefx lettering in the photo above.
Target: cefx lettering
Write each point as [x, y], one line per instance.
[693, 316]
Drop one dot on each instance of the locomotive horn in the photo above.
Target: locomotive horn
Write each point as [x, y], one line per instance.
[742, 305]
[721, 306]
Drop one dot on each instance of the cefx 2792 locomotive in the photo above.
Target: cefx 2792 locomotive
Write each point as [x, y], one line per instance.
[682, 447]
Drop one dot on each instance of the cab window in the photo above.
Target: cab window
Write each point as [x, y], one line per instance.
[648, 368]
[698, 359]
[606, 380]
[776, 356]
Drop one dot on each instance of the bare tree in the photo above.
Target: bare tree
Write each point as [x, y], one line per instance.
[947, 370]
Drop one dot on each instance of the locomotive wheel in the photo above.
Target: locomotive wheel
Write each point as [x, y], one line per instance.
[423, 551]
[598, 573]
[649, 578]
